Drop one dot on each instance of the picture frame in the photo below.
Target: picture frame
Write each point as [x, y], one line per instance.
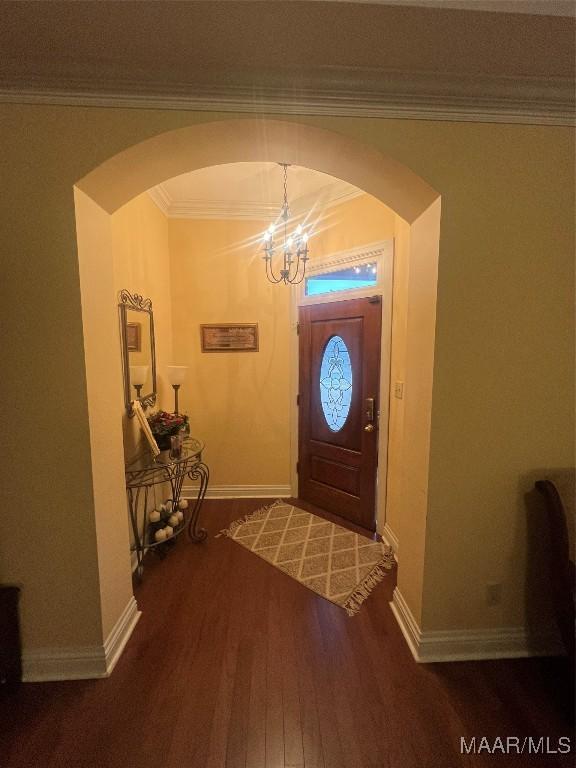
[143, 421]
[229, 337]
[134, 337]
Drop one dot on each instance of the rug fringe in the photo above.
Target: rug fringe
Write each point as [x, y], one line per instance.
[354, 601]
[257, 515]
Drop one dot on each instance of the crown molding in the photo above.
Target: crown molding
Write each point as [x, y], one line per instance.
[239, 210]
[161, 197]
[530, 7]
[348, 92]
[351, 256]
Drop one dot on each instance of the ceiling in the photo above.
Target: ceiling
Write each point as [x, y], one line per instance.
[436, 60]
[248, 191]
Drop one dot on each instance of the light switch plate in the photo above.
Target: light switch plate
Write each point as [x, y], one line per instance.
[399, 390]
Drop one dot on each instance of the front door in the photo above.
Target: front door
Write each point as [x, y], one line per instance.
[338, 407]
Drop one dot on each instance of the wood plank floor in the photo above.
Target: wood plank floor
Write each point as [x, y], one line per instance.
[233, 664]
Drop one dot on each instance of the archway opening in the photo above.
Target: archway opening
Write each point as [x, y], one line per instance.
[104, 191]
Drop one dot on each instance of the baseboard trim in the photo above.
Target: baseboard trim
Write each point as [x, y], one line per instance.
[84, 662]
[471, 645]
[390, 538]
[241, 491]
[407, 623]
[120, 634]
[43, 665]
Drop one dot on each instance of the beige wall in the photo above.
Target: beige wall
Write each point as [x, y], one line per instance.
[359, 221]
[395, 475]
[237, 401]
[218, 277]
[141, 262]
[504, 350]
[104, 376]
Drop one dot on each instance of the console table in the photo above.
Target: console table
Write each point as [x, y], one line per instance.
[146, 473]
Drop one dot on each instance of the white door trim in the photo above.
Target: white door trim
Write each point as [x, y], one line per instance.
[382, 253]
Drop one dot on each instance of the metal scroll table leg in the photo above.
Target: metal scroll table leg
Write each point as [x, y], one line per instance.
[198, 472]
[139, 540]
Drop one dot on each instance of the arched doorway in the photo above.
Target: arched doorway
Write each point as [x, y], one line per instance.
[126, 175]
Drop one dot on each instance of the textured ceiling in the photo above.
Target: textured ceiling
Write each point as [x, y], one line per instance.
[195, 42]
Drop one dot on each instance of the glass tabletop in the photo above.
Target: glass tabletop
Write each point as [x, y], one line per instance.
[191, 448]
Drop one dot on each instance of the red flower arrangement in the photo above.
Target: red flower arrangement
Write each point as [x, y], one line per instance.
[164, 425]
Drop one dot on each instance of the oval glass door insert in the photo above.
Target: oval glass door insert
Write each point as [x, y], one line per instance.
[336, 383]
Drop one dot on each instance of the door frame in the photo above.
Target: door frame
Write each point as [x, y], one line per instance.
[381, 252]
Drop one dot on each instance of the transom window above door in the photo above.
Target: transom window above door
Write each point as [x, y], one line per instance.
[348, 279]
[355, 273]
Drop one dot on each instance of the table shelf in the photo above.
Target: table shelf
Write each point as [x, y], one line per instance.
[145, 473]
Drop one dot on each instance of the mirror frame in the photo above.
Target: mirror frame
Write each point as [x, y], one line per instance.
[137, 303]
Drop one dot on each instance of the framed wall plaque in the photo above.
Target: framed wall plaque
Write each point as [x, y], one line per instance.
[221, 337]
[134, 337]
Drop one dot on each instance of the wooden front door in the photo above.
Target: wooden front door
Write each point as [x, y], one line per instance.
[338, 407]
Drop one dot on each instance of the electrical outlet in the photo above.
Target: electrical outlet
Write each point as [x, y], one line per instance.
[493, 594]
[399, 390]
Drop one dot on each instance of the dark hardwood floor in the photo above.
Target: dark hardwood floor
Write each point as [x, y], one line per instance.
[235, 664]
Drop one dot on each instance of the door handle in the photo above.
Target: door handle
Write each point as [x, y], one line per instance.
[369, 411]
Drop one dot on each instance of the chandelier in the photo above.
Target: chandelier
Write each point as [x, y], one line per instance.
[293, 246]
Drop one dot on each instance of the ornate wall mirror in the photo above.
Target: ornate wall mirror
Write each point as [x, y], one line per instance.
[138, 352]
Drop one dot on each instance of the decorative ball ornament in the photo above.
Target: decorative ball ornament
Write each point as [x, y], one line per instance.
[154, 516]
[168, 530]
[168, 506]
[160, 534]
[163, 508]
[183, 504]
[180, 516]
[173, 520]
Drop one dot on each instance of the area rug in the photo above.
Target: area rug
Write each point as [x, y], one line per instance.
[332, 561]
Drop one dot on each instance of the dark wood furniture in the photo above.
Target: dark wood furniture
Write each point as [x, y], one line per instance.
[561, 569]
[10, 654]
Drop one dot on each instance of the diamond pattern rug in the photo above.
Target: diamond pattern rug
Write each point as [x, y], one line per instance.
[332, 561]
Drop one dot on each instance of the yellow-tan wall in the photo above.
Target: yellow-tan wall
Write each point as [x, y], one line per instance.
[237, 401]
[395, 475]
[351, 224]
[141, 259]
[503, 367]
[218, 277]
[104, 377]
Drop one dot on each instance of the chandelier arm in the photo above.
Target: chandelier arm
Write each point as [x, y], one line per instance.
[295, 281]
[270, 272]
[297, 266]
